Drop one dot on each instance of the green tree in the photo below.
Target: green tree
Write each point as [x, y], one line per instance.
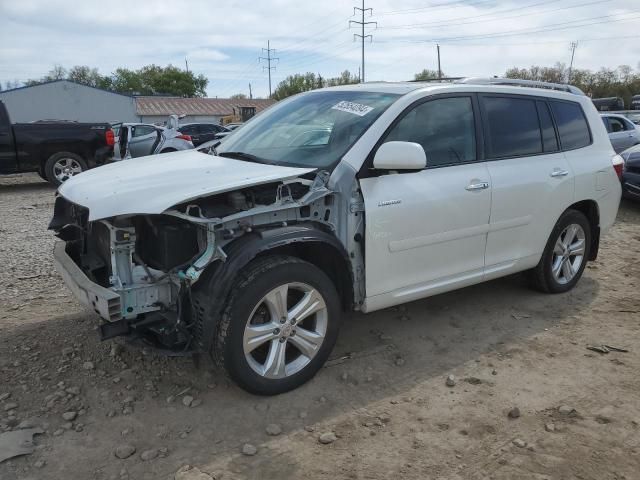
[88, 76]
[298, 83]
[427, 74]
[620, 82]
[238, 96]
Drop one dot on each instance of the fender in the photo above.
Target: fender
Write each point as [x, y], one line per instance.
[218, 278]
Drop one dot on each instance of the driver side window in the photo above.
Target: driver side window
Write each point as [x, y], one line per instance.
[444, 127]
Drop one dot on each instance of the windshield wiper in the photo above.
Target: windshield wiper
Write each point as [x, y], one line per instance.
[244, 156]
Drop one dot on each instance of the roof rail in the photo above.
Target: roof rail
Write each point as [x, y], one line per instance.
[522, 83]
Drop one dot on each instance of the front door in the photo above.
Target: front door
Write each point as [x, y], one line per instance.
[426, 230]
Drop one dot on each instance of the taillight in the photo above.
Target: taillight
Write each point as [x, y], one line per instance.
[184, 137]
[110, 137]
[618, 165]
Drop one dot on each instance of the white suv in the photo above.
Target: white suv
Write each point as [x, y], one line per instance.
[350, 198]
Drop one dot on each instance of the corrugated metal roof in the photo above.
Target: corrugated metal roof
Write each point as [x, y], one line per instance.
[196, 106]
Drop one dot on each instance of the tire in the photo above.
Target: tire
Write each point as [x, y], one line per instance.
[569, 267]
[248, 310]
[61, 166]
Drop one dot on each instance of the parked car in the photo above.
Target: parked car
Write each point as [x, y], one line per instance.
[56, 150]
[635, 102]
[609, 103]
[631, 115]
[622, 132]
[201, 132]
[251, 253]
[142, 139]
[631, 173]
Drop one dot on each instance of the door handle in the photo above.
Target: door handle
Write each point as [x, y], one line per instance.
[477, 186]
[557, 172]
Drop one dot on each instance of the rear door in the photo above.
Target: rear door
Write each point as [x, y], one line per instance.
[142, 140]
[531, 178]
[426, 230]
[8, 161]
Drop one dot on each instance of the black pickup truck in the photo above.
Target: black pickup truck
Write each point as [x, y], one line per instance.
[57, 150]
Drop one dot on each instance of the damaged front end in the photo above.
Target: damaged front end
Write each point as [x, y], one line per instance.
[137, 271]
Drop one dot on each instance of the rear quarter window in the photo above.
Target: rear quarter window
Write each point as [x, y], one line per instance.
[572, 125]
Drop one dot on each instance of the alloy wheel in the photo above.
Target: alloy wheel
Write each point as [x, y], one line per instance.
[285, 330]
[66, 168]
[568, 254]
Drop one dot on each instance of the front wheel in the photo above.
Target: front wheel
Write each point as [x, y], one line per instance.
[565, 255]
[279, 325]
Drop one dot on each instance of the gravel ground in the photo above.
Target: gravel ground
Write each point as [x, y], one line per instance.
[525, 400]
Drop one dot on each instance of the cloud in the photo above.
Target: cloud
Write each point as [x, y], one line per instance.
[224, 40]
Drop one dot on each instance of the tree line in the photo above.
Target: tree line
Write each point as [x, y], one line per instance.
[148, 80]
[622, 81]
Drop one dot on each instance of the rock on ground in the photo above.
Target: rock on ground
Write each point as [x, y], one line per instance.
[191, 473]
[124, 451]
[327, 438]
[249, 450]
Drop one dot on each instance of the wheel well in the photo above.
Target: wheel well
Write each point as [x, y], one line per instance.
[328, 259]
[168, 149]
[590, 209]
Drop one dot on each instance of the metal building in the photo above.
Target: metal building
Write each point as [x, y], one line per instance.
[157, 109]
[67, 100]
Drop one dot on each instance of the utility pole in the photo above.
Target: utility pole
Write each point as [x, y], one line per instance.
[572, 47]
[186, 64]
[359, 74]
[250, 94]
[439, 69]
[362, 36]
[269, 59]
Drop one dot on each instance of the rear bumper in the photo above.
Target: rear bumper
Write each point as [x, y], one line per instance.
[101, 300]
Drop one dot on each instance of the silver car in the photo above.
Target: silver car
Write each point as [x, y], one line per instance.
[141, 139]
[622, 132]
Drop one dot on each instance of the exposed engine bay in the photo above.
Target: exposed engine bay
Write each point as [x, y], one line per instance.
[153, 261]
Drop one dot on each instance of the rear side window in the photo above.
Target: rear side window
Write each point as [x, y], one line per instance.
[549, 140]
[512, 127]
[572, 125]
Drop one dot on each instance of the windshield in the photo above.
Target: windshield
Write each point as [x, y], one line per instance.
[311, 130]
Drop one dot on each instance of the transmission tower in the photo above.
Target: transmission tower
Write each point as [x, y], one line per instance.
[362, 36]
[268, 51]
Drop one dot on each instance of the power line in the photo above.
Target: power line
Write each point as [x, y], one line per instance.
[438, 6]
[476, 18]
[269, 58]
[526, 31]
[362, 36]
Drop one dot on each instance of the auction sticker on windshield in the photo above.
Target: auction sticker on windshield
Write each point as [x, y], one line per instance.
[352, 107]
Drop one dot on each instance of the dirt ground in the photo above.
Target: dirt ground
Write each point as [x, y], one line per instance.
[383, 394]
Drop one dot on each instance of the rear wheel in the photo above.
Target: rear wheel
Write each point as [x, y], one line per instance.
[565, 255]
[279, 325]
[61, 166]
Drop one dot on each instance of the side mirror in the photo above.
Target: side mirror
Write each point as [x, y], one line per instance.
[400, 156]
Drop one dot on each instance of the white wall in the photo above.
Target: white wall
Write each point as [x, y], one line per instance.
[68, 101]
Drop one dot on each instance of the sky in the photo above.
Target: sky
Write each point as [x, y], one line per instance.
[224, 40]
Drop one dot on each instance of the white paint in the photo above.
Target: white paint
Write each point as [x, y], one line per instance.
[151, 185]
